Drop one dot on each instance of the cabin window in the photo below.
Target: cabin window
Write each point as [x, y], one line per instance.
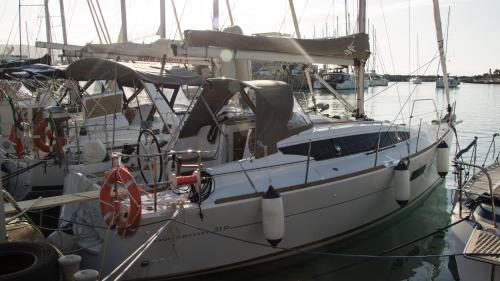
[342, 146]
[299, 119]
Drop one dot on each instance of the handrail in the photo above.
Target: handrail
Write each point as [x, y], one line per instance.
[461, 152]
[490, 184]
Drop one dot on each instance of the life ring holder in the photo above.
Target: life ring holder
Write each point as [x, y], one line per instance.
[126, 222]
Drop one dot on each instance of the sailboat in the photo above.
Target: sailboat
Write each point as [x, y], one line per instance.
[244, 172]
[417, 79]
[376, 79]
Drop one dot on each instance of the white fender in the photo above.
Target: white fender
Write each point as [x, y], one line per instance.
[94, 151]
[442, 159]
[402, 183]
[273, 216]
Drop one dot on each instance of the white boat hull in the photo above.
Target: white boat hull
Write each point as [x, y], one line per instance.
[321, 211]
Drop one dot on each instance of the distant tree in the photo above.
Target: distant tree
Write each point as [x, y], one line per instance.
[496, 73]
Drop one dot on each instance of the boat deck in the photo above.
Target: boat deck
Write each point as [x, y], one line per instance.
[484, 242]
[479, 183]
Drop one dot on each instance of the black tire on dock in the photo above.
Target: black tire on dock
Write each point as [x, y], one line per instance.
[22, 261]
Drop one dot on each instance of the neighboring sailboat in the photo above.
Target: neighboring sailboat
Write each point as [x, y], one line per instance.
[417, 79]
[376, 79]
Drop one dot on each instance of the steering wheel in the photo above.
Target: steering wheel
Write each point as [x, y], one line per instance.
[147, 144]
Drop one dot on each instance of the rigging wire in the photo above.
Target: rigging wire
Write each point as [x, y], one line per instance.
[436, 56]
[390, 49]
[287, 9]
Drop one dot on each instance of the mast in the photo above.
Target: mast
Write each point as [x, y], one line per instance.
[229, 12]
[162, 19]
[360, 65]
[297, 32]
[215, 18]
[20, 34]
[442, 55]
[124, 21]
[345, 10]
[181, 35]
[294, 17]
[418, 63]
[63, 22]
[47, 27]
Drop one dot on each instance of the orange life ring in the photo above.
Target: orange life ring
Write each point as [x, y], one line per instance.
[126, 222]
[42, 138]
[13, 137]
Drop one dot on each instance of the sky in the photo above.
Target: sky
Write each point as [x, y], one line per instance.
[473, 44]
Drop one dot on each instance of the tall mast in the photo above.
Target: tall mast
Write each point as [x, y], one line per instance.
[124, 21]
[294, 17]
[418, 63]
[229, 12]
[63, 22]
[360, 65]
[440, 41]
[47, 27]
[345, 10]
[215, 18]
[181, 35]
[162, 19]
[20, 33]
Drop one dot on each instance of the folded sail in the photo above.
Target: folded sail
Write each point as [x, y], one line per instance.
[354, 46]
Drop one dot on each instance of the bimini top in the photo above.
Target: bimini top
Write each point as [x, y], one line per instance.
[33, 71]
[355, 46]
[273, 108]
[129, 74]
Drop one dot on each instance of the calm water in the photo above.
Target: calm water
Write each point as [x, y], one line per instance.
[479, 108]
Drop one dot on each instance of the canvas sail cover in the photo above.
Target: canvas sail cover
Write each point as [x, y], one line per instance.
[354, 46]
[130, 73]
[143, 52]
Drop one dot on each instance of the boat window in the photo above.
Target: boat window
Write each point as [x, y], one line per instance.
[299, 119]
[236, 105]
[342, 146]
[161, 105]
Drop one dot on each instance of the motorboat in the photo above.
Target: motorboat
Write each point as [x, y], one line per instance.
[377, 80]
[453, 82]
[340, 80]
[416, 80]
